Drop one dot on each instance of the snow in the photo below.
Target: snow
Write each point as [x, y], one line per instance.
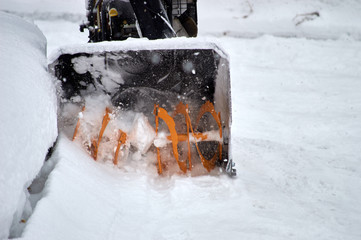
[58, 20]
[28, 119]
[284, 18]
[37, 7]
[143, 134]
[296, 134]
[130, 200]
[138, 44]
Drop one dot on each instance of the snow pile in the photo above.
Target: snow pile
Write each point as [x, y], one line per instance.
[58, 20]
[28, 119]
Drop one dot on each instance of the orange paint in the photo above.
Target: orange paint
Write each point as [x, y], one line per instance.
[121, 141]
[105, 122]
[77, 125]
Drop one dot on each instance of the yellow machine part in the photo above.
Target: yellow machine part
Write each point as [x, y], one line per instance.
[174, 137]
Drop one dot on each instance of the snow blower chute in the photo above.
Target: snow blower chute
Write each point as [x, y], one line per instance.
[169, 98]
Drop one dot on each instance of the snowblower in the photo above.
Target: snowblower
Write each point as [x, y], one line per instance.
[163, 96]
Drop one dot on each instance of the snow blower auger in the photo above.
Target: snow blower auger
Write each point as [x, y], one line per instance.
[162, 140]
[169, 97]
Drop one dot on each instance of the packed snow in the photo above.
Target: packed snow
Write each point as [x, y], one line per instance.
[331, 19]
[28, 119]
[296, 81]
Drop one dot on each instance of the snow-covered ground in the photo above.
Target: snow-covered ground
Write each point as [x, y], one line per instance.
[331, 19]
[296, 135]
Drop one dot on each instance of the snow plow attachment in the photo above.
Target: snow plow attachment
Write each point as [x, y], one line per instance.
[167, 97]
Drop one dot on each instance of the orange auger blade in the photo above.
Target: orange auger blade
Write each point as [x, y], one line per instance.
[209, 107]
[183, 109]
[95, 144]
[122, 139]
[77, 125]
[163, 114]
[174, 137]
[160, 171]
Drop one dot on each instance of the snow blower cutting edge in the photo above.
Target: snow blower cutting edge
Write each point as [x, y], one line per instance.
[175, 92]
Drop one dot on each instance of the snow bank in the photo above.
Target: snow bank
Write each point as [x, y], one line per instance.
[28, 114]
[58, 20]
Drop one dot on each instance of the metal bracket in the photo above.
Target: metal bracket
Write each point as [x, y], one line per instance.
[230, 170]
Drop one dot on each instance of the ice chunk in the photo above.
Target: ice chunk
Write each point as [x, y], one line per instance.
[142, 134]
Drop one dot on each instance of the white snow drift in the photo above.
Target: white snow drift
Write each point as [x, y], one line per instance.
[28, 114]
